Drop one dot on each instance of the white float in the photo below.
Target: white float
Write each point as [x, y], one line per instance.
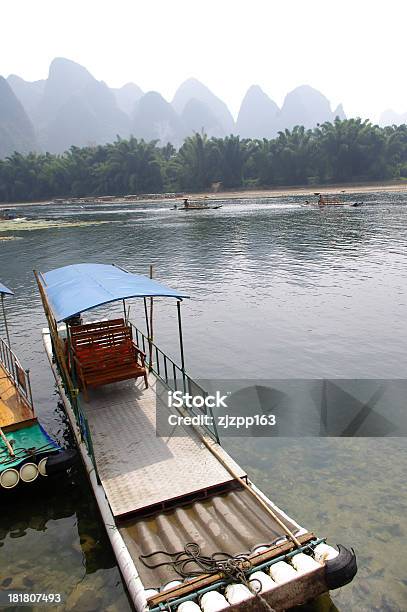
[188, 606]
[150, 593]
[29, 472]
[236, 593]
[42, 466]
[261, 582]
[324, 552]
[282, 572]
[9, 478]
[213, 601]
[171, 585]
[304, 563]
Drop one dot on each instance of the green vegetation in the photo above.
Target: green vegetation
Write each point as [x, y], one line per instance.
[343, 151]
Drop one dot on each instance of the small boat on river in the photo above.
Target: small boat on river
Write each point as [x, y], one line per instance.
[330, 200]
[190, 530]
[197, 205]
[27, 452]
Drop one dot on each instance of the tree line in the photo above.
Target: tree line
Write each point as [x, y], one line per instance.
[338, 152]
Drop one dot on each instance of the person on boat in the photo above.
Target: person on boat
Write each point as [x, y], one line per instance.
[186, 203]
[75, 320]
[321, 200]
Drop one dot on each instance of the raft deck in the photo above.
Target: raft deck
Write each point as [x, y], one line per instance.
[13, 409]
[138, 469]
[232, 522]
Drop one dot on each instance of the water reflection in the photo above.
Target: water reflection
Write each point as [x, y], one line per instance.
[52, 540]
[279, 290]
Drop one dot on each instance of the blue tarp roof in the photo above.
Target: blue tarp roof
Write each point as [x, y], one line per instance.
[80, 287]
[3, 289]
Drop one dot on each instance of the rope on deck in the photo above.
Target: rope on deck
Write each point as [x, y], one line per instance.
[233, 567]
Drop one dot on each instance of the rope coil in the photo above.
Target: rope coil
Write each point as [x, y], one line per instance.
[232, 567]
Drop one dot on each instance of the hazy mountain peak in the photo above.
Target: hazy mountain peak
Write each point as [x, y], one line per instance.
[77, 109]
[153, 97]
[68, 68]
[191, 82]
[306, 92]
[127, 96]
[339, 112]
[257, 115]
[16, 130]
[29, 93]
[155, 119]
[305, 106]
[65, 79]
[192, 88]
[255, 90]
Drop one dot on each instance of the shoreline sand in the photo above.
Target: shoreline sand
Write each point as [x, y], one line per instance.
[240, 195]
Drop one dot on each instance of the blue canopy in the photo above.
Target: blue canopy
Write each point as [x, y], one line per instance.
[3, 289]
[80, 287]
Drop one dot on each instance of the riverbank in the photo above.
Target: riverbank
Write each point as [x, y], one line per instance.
[349, 188]
[400, 186]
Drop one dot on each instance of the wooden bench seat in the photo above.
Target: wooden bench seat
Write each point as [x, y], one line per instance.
[104, 353]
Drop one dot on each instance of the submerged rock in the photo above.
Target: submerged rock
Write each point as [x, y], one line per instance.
[84, 599]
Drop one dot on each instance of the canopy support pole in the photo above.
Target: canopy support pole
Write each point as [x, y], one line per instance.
[146, 317]
[5, 321]
[181, 341]
[29, 389]
[151, 334]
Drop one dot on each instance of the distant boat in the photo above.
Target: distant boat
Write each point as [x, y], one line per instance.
[7, 214]
[197, 205]
[331, 200]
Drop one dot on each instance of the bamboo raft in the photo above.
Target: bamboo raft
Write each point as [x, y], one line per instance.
[27, 452]
[191, 531]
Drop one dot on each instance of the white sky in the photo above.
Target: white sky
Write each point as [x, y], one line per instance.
[353, 51]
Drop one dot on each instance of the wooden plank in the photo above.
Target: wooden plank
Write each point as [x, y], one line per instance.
[76, 330]
[21, 425]
[13, 407]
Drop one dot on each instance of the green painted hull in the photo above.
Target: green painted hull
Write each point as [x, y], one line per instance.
[27, 442]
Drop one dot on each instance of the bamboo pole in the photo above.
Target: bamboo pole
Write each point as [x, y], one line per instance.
[57, 343]
[151, 335]
[7, 443]
[244, 484]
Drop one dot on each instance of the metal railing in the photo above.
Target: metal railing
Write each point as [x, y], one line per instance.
[71, 389]
[15, 371]
[174, 377]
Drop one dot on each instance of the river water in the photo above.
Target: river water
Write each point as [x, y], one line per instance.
[278, 290]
